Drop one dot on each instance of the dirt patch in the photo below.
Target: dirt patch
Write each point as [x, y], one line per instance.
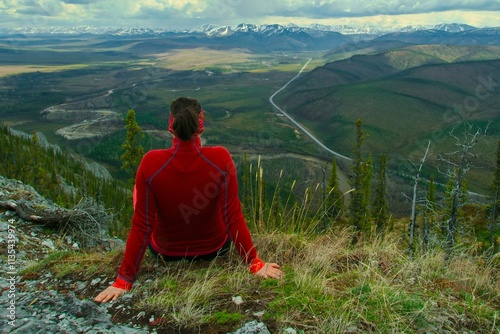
[85, 123]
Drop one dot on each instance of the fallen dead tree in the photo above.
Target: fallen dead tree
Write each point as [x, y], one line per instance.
[86, 222]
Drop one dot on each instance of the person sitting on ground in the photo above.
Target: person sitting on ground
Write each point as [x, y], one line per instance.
[186, 204]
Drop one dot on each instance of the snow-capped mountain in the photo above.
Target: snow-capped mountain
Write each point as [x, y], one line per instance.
[214, 30]
[340, 34]
[347, 30]
[447, 27]
[269, 36]
[414, 28]
[265, 29]
[453, 27]
[446, 34]
[82, 30]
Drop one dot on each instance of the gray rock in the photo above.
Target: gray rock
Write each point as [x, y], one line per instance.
[253, 327]
[49, 243]
[52, 312]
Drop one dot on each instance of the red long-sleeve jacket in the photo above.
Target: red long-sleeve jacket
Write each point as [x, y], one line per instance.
[186, 204]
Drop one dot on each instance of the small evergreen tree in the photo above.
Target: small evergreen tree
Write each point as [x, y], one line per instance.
[380, 206]
[133, 150]
[362, 171]
[334, 199]
[367, 186]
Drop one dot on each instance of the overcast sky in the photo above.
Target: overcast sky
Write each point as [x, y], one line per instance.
[182, 14]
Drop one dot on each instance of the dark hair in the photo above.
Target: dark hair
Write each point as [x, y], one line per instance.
[185, 111]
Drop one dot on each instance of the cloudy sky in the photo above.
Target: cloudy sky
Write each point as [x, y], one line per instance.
[182, 14]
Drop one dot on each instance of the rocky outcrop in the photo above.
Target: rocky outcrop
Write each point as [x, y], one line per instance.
[85, 223]
[29, 226]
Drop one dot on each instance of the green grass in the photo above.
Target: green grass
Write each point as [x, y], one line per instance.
[51, 260]
[331, 286]
[224, 317]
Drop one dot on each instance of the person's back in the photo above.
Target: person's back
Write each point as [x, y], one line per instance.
[186, 204]
[189, 184]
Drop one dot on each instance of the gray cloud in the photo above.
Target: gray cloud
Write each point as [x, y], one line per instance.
[189, 13]
[348, 8]
[148, 13]
[33, 7]
[78, 2]
[478, 5]
[358, 8]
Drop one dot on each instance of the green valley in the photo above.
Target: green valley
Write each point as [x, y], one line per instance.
[405, 95]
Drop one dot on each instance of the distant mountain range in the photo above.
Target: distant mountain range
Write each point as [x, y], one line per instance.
[273, 37]
[222, 31]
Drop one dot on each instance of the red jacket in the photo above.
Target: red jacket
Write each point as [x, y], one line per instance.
[186, 204]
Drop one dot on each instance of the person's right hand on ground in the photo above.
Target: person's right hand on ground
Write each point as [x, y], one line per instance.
[110, 293]
[270, 270]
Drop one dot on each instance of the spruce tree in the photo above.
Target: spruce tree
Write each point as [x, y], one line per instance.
[334, 198]
[133, 150]
[360, 181]
[367, 185]
[380, 206]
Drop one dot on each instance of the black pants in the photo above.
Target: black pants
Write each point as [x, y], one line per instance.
[207, 257]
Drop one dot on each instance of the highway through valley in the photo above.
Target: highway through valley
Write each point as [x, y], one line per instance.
[297, 124]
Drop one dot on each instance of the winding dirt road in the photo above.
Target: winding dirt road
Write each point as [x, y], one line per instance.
[302, 128]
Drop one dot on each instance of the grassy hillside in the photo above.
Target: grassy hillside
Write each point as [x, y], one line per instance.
[405, 98]
[330, 286]
[447, 53]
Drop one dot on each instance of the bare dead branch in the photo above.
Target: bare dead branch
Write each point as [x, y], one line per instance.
[86, 222]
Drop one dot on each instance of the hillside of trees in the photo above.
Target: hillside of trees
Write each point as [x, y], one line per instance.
[63, 178]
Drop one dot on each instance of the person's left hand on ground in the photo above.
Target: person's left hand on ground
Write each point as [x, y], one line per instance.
[270, 270]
